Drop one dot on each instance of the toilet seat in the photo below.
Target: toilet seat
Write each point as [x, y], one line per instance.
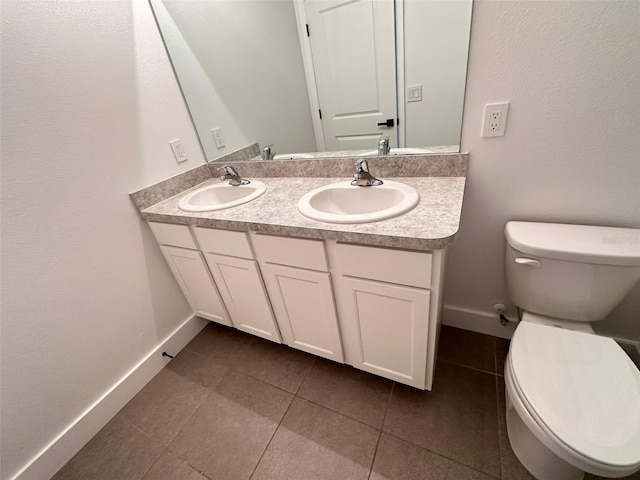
[582, 391]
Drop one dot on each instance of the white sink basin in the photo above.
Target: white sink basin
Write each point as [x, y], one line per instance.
[221, 196]
[345, 203]
[398, 151]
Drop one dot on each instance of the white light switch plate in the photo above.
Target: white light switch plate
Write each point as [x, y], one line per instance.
[217, 137]
[414, 93]
[178, 150]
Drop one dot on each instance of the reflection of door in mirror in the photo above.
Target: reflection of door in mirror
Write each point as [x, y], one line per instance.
[353, 57]
[247, 70]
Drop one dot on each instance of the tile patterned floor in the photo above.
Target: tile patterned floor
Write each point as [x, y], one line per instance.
[235, 407]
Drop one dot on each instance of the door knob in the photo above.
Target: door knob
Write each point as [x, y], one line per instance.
[388, 123]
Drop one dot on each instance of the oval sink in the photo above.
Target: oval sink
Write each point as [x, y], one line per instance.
[398, 151]
[345, 203]
[221, 196]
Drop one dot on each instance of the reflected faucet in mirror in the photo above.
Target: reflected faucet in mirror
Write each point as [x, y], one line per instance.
[267, 153]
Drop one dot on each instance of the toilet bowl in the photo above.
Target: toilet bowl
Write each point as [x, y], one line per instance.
[572, 397]
[573, 404]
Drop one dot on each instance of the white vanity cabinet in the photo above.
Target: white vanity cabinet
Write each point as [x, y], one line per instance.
[375, 308]
[388, 309]
[297, 278]
[230, 259]
[190, 270]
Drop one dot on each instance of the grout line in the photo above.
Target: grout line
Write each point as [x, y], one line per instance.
[311, 364]
[384, 416]
[442, 455]
[469, 367]
[500, 440]
[495, 357]
[293, 398]
[337, 412]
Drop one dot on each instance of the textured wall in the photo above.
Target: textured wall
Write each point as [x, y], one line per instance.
[571, 150]
[89, 103]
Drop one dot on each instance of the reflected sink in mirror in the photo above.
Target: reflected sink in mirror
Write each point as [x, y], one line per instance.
[399, 151]
[292, 156]
[221, 196]
[345, 203]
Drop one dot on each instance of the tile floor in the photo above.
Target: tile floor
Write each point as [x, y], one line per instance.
[235, 407]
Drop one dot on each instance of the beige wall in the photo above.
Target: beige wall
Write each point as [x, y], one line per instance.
[571, 152]
[89, 103]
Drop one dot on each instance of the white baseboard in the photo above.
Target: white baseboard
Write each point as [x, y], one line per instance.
[477, 321]
[53, 457]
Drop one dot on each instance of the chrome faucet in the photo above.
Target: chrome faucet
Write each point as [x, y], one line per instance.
[233, 176]
[383, 145]
[363, 177]
[267, 153]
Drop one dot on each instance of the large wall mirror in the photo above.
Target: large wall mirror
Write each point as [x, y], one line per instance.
[320, 75]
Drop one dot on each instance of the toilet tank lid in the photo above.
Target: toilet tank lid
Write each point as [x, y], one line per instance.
[576, 243]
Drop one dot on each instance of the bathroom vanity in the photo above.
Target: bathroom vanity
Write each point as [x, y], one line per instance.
[367, 295]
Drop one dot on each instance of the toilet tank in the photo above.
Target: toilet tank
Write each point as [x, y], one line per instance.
[572, 272]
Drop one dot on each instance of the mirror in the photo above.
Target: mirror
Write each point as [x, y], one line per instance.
[320, 75]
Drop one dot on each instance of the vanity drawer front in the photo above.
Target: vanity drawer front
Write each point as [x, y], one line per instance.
[173, 235]
[385, 264]
[224, 242]
[294, 252]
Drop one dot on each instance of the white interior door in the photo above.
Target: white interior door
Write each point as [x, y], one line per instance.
[353, 49]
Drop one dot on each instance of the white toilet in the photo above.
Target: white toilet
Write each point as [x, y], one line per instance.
[573, 398]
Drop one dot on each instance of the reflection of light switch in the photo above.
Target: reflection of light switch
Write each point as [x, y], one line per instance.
[217, 137]
[414, 93]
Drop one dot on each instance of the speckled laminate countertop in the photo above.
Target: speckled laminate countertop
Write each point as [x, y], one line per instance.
[431, 225]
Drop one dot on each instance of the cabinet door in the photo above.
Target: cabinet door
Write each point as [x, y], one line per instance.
[303, 303]
[385, 328]
[241, 287]
[193, 276]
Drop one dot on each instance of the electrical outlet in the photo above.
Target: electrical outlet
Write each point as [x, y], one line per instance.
[495, 119]
[178, 150]
[414, 93]
[217, 137]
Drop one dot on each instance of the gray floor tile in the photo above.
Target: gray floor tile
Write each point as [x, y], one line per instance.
[227, 436]
[315, 443]
[198, 368]
[226, 346]
[119, 450]
[276, 364]
[170, 467]
[399, 460]
[467, 348]
[635, 476]
[349, 391]
[164, 405]
[458, 419]
[502, 348]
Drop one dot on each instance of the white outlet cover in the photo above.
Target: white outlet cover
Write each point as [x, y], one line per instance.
[492, 126]
[178, 150]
